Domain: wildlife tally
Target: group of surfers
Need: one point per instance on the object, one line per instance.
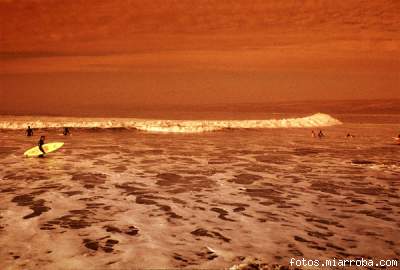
(321, 135)
(66, 132)
(29, 133)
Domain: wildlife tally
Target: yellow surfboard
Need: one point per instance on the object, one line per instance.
(48, 147)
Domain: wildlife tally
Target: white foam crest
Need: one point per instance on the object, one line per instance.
(173, 126)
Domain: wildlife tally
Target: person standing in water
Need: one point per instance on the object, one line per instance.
(313, 134)
(66, 131)
(320, 134)
(40, 144)
(29, 131)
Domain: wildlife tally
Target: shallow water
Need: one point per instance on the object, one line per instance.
(125, 198)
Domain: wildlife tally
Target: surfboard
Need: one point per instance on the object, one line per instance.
(48, 148)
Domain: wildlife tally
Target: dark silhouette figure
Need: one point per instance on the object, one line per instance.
(66, 131)
(29, 131)
(313, 134)
(349, 135)
(320, 134)
(40, 144)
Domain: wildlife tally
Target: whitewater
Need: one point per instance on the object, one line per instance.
(143, 194)
(175, 126)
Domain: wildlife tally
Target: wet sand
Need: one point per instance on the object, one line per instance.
(126, 199)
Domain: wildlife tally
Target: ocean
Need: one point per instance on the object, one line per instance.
(210, 194)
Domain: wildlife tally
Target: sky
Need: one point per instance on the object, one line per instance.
(81, 53)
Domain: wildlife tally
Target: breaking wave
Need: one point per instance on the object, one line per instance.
(178, 126)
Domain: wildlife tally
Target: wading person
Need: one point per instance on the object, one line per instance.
(66, 131)
(29, 131)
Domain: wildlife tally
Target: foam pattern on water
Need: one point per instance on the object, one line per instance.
(134, 200)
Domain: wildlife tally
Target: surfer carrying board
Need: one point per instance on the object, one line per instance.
(40, 144)
(43, 148)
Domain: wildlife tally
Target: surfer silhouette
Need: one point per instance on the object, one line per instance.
(29, 131)
(66, 131)
(40, 144)
(313, 134)
(320, 134)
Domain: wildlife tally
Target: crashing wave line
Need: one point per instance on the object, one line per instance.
(182, 126)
